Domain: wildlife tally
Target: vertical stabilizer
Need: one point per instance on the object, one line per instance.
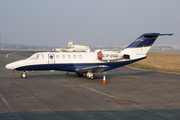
(142, 44)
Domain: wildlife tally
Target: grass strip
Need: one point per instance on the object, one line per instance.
(137, 65)
(151, 68)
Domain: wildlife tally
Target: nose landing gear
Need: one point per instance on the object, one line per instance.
(24, 74)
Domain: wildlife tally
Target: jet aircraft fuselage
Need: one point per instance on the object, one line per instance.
(86, 62)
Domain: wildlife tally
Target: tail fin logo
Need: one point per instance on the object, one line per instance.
(141, 39)
(142, 42)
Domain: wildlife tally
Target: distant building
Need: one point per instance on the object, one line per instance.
(74, 48)
(58, 49)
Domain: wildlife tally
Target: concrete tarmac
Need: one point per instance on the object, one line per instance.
(129, 94)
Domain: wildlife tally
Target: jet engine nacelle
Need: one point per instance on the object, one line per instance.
(108, 55)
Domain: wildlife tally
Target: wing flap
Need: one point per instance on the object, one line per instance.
(94, 69)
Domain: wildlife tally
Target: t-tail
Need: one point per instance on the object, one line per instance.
(141, 45)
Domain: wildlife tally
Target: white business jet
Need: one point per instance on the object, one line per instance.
(86, 62)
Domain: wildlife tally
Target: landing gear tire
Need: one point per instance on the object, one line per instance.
(23, 75)
(92, 77)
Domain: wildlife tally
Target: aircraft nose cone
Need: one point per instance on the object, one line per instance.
(9, 66)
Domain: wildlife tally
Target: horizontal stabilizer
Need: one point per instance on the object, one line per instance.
(165, 34)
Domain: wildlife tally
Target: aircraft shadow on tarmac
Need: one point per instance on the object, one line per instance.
(96, 115)
(97, 76)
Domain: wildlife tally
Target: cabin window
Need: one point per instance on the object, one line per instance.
(51, 56)
(57, 56)
(63, 56)
(69, 57)
(80, 56)
(74, 56)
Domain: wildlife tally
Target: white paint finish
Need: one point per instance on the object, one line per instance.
(136, 51)
(65, 58)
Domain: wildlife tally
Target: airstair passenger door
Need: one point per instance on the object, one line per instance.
(51, 61)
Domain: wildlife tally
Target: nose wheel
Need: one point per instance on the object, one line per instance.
(24, 75)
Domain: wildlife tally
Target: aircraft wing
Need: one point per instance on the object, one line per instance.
(94, 69)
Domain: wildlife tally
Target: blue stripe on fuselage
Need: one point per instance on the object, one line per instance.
(76, 66)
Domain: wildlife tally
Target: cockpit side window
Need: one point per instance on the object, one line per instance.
(33, 57)
(40, 56)
(37, 57)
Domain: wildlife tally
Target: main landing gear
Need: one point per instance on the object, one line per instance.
(24, 74)
(89, 75)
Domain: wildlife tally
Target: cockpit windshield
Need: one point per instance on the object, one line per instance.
(37, 56)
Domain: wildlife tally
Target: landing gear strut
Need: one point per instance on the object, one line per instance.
(24, 74)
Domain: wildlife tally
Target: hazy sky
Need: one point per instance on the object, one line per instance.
(87, 22)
